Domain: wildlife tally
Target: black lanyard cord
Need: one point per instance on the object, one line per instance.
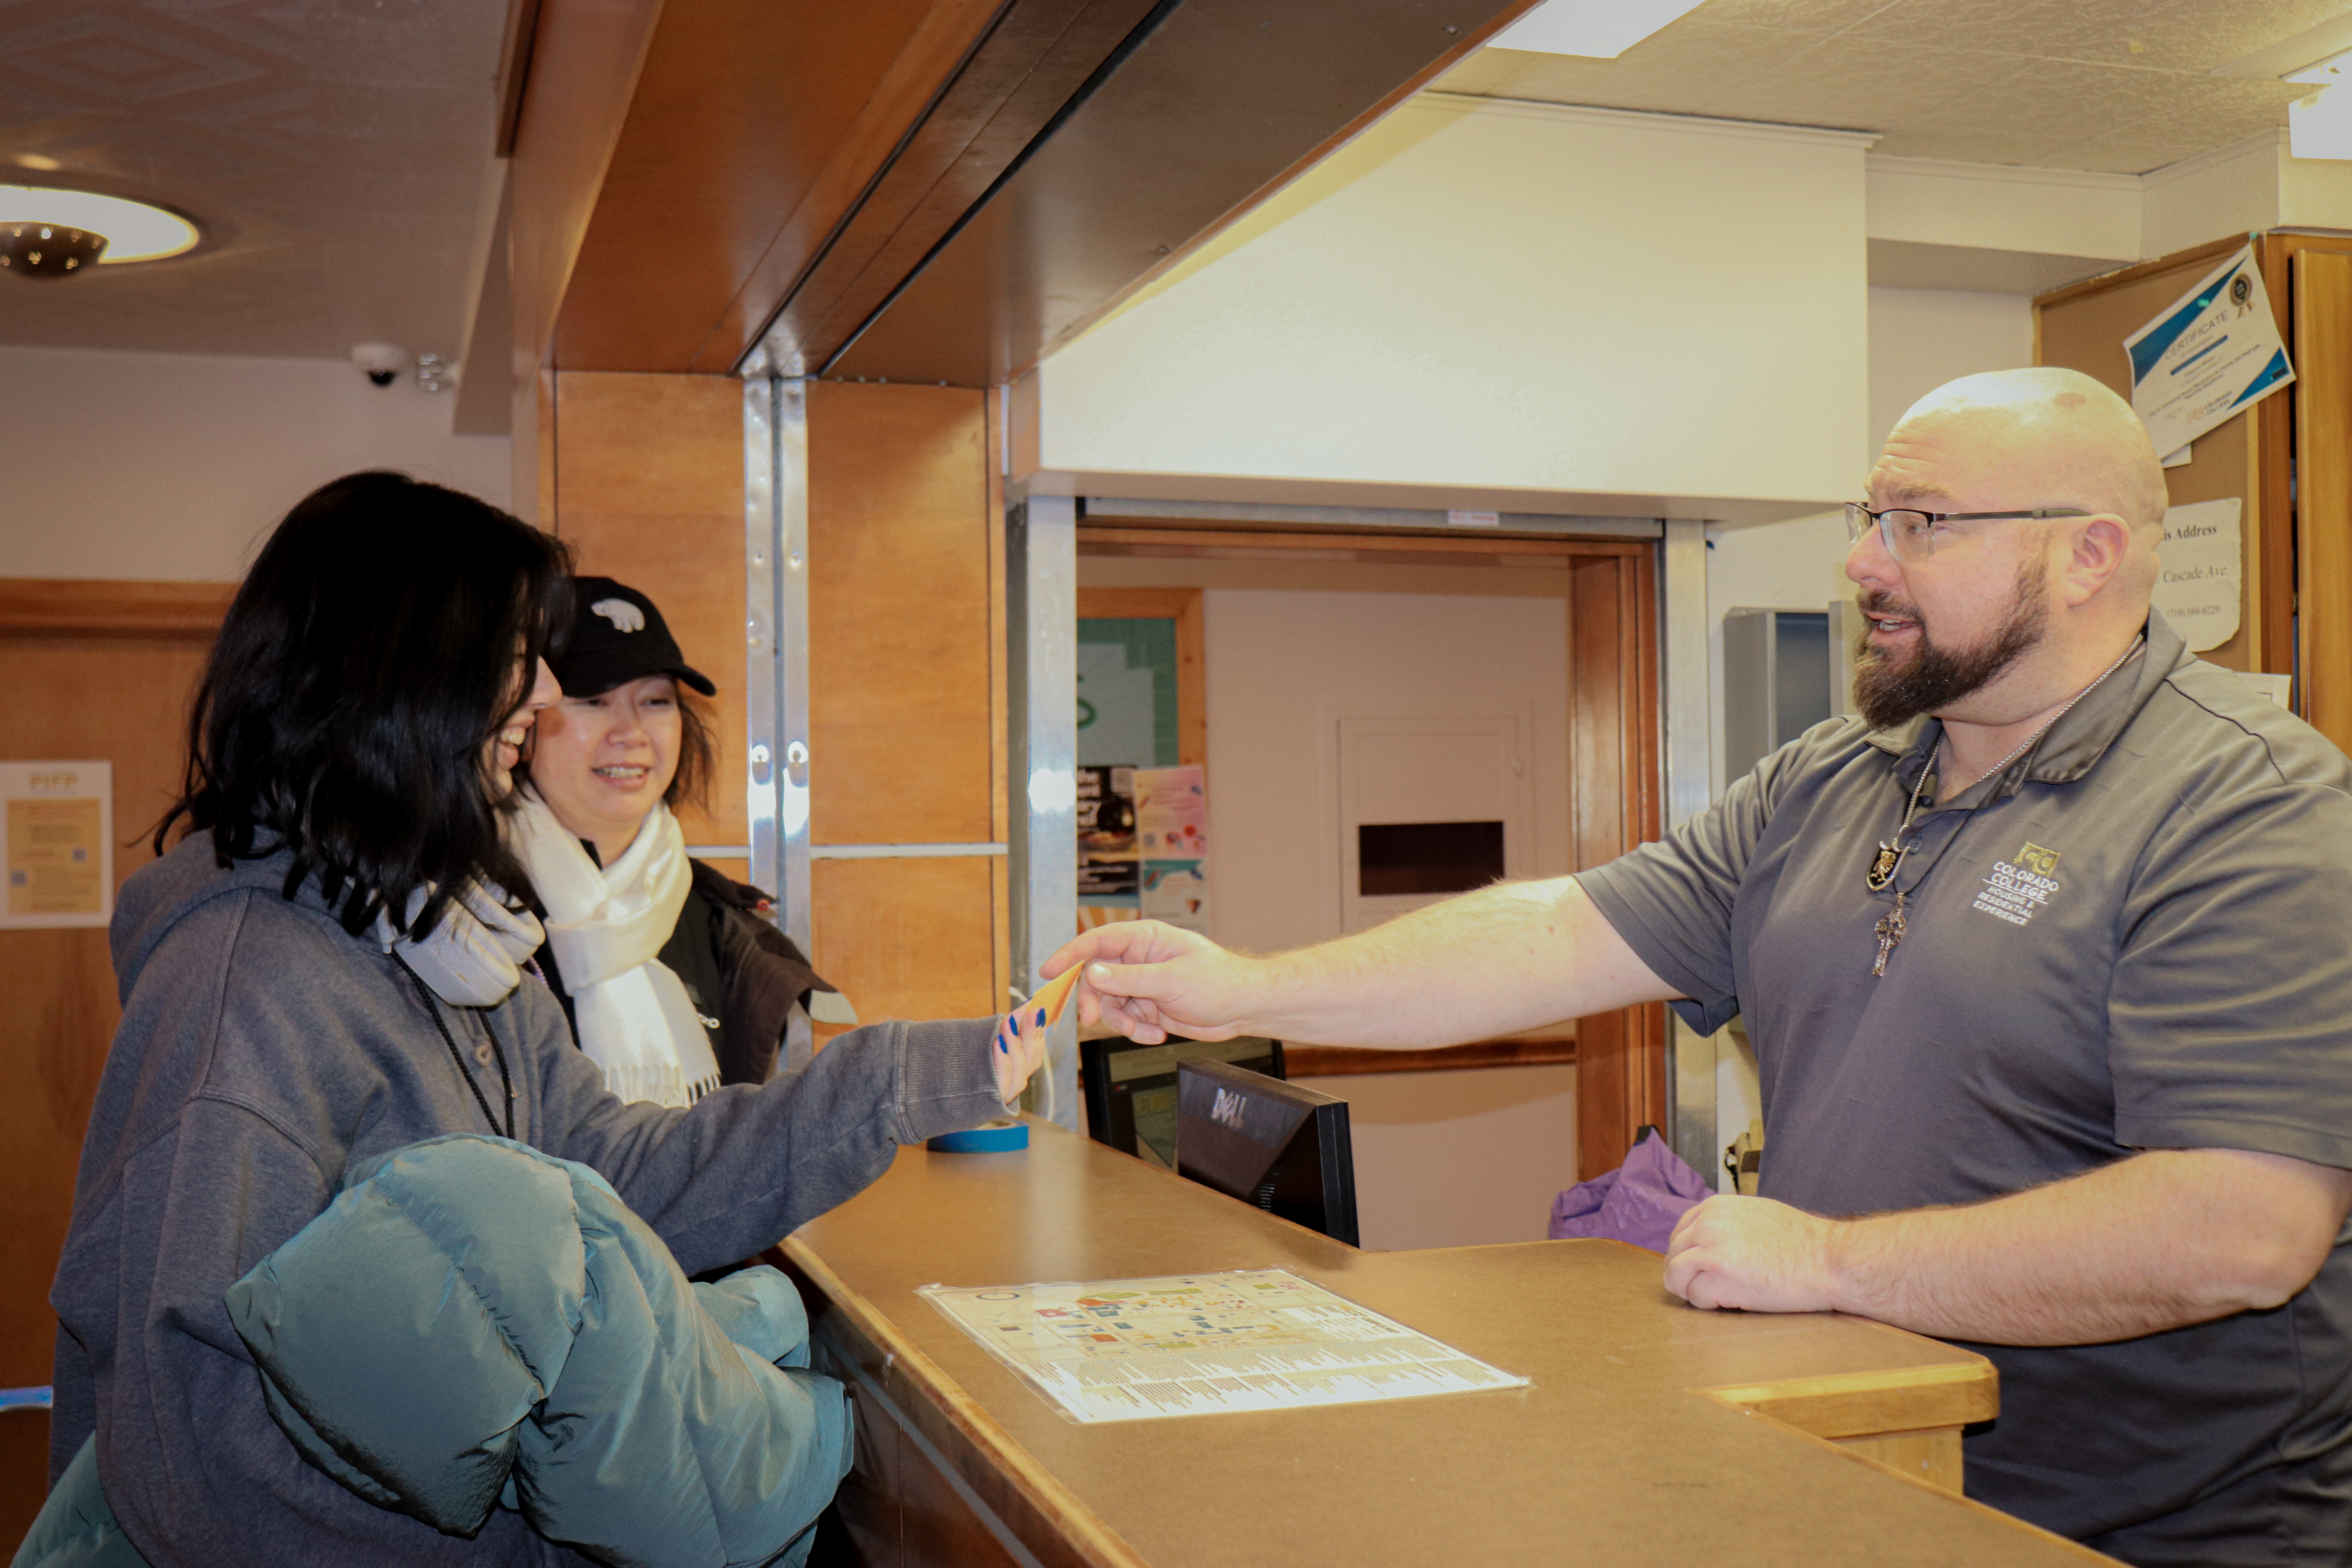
(433, 1010)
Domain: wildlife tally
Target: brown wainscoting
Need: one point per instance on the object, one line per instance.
(93, 669)
(1549, 1049)
(64, 606)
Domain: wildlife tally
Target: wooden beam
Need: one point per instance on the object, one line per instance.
(584, 59)
(106, 607)
(1221, 104)
(691, 177)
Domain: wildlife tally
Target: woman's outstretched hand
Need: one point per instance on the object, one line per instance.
(1148, 980)
(1018, 1049)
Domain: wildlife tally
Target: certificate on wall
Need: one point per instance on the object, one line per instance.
(2212, 353)
(61, 841)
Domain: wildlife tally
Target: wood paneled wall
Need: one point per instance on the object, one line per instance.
(907, 697)
(644, 480)
(93, 670)
(646, 484)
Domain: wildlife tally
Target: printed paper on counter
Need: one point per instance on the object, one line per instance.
(1200, 1344)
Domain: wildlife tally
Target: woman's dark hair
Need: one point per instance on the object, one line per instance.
(697, 754)
(367, 661)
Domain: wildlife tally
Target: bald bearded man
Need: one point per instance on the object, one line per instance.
(2045, 962)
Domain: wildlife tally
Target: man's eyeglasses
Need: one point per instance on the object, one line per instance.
(1910, 535)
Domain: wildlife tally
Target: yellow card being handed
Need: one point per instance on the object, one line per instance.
(1055, 994)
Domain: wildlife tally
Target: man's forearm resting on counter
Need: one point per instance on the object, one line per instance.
(2161, 1239)
(1506, 958)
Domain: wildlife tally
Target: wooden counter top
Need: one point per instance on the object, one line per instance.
(1618, 1452)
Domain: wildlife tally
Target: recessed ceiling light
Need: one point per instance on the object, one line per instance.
(49, 232)
(1602, 29)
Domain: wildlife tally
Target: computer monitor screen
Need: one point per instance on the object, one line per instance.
(1281, 1146)
(1130, 1090)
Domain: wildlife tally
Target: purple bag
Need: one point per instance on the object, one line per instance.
(1638, 1202)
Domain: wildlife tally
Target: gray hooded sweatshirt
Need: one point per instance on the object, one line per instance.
(262, 1052)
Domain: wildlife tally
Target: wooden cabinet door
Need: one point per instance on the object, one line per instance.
(2323, 425)
(92, 670)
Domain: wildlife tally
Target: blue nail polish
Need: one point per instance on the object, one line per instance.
(1002, 1047)
(1041, 1018)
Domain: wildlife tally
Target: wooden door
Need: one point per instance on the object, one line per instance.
(92, 670)
(2322, 421)
(1614, 800)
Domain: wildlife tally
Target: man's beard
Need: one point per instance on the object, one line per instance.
(1888, 693)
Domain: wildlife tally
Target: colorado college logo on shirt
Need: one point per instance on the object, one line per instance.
(2016, 889)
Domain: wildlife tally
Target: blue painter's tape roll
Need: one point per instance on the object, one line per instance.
(998, 1136)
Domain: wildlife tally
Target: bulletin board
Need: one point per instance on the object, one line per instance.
(2082, 328)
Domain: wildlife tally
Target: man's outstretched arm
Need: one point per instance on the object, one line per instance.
(2158, 1241)
(1506, 958)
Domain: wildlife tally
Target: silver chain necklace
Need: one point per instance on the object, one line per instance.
(1889, 858)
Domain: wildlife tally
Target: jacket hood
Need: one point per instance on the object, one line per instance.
(164, 892)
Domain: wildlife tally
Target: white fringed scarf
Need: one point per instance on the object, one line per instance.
(607, 927)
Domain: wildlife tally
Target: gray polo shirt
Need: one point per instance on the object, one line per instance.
(2137, 936)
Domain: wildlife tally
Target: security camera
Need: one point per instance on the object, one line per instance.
(380, 363)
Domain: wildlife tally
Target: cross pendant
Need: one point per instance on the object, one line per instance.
(1890, 931)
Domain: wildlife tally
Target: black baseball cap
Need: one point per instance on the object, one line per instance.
(617, 636)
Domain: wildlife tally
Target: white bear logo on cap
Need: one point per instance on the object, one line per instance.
(624, 616)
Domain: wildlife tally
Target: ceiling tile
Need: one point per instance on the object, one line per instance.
(333, 151)
(2046, 82)
(2197, 34)
(1790, 16)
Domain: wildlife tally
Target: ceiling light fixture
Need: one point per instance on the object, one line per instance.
(47, 232)
(1602, 29)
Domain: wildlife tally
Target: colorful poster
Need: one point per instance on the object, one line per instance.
(60, 844)
(1171, 811)
(2214, 353)
(1176, 891)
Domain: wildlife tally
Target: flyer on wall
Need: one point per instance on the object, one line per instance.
(2212, 353)
(60, 844)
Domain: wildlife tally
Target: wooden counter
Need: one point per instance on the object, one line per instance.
(1652, 1433)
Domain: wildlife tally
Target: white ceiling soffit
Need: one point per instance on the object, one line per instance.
(332, 150)
(1910, 264)
(2115, 86)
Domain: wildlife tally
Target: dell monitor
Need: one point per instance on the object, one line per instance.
(1130, 1090)
(1281, 1146)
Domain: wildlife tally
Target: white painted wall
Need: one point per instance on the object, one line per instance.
(172, 467)
(1485, 298)
(2230, 190)
(1458, 1159)
(2060, 212)
(1285, 667)
(1448, 1159)
(1922, 338)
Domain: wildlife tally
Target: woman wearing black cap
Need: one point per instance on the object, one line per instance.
(672, 982)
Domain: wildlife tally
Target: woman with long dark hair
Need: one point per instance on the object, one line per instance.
(330, 968)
